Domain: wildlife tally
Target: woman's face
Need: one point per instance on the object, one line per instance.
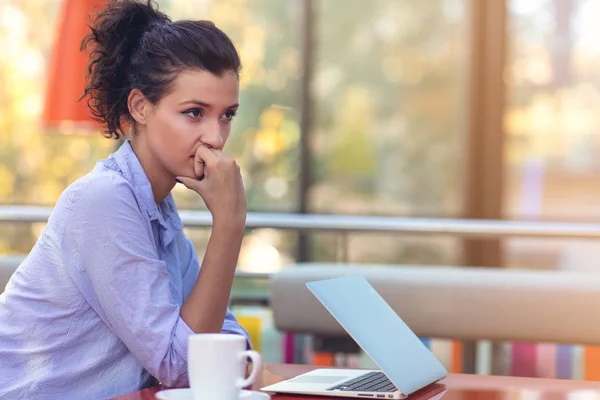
(196, 112)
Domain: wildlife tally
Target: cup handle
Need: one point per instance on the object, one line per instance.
(256, 367)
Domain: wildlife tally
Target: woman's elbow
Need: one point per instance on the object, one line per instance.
(172, 373)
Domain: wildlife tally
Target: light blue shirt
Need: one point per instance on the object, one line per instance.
(93, 311)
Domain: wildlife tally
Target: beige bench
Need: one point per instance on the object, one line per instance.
(468, 304)
(453, 302)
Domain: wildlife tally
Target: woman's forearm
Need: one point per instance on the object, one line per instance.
(205, 308)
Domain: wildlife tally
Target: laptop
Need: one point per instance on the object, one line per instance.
(406, 364)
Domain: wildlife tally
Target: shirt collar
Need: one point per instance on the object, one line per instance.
(165, 213)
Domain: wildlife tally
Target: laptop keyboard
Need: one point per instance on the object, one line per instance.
(370, 382)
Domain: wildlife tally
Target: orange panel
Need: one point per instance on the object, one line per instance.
(323, 359)
(68, 66)
(591, 363)
(457, 356)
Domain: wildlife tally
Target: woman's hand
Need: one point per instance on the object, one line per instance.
(220, 186)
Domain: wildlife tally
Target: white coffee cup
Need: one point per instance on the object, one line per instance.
(217, 365)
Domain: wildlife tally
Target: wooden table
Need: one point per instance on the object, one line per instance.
(459, 387)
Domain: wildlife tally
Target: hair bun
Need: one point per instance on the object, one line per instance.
(115, 34)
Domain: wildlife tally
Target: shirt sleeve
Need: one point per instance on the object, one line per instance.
(109, 247)
(230, 325)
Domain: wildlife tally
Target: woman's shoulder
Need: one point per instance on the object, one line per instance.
(100, 189)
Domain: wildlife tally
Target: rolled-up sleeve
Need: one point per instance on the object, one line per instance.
(113, 258)
(231, 325)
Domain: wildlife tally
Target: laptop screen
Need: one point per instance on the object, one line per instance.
(379, 331)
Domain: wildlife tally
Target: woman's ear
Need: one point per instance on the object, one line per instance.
(139, 106)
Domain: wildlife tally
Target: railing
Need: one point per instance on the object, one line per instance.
(349, 223)
(345, 224)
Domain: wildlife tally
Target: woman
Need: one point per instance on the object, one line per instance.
(104, 303)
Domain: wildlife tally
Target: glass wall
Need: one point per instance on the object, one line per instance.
(389, 97)
(391, 107)
(552, 127)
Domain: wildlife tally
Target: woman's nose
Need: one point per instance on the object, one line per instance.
(212, 137)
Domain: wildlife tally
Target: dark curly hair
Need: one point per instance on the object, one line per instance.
(134, 45)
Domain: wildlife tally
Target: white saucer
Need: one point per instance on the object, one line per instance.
(186, 394)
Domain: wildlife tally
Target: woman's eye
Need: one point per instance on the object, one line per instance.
(229, 115)
(194, 112)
